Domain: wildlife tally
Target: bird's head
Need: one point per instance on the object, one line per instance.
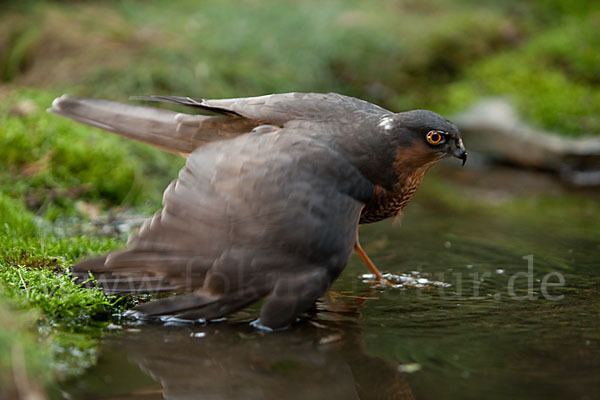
(423, 137)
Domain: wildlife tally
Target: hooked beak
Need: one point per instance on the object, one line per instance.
(461, 153)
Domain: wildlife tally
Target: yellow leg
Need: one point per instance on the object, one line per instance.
(366, 259)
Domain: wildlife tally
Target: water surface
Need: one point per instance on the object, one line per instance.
(521, 319)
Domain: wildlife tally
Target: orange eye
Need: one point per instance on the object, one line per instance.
(434, 137)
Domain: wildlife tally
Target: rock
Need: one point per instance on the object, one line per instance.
(493, 128)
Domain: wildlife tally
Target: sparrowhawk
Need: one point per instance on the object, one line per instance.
(269, 201)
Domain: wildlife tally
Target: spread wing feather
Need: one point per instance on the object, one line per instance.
(244, 220)
(277, 109)
(168, 130)
(182, 133)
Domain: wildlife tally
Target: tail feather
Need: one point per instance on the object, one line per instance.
(168, 130)
(175, 304)
(221, 307)
(119, 273)
(202, 305)
(118, 279)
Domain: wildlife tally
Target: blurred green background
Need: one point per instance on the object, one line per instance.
(442, 54)
(445, 55)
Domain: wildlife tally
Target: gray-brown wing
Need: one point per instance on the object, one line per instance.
(175, 132)
(182, 133)
(270, 215)
(277, 109)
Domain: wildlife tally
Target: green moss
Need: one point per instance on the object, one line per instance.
(50, 161)
(33, 262)
(552, 79)
(48, 322)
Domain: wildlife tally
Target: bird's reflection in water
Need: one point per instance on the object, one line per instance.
(322, 357)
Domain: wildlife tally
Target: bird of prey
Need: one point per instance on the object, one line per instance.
(269, 201)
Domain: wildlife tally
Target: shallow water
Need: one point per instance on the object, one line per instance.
(518, 317)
